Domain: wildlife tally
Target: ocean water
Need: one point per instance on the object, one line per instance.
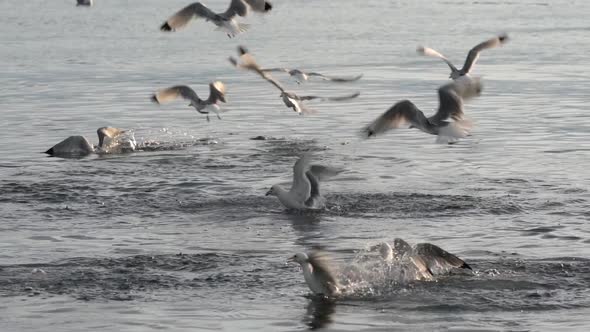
(181, 237)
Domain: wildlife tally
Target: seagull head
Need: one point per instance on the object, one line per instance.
(272, 191)
(300, 258)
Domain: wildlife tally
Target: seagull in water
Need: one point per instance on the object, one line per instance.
(290, 99)
(84, 3)
(301, 76)
(405, 114)
(425, 257)
(216, 94)
(305, 190)
(110, 140)
(224, 21)
(318, 273)
(471, 57)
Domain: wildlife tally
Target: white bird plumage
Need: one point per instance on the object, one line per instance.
(319, 273)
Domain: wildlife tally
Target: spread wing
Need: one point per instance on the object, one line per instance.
(403, 114)
(436, 256)
(323, 270)
(301, 187)
(339, 98)
(401, 247)
(107, 132)
(181, 18)
(314, 194)
(259, 5)
(247, 62)
(236, 7)
(335, 79)
(172, 93)
(451, 96)
(283, 70)
(216, 92)
(322, 173)
(473, 54)
(431, 52)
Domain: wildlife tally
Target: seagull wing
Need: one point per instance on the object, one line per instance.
(301, 187)
(324, 271)
(236, 7)
(172, 93)
(431, 52)
(314, 194)
(335, 79)
(451, 96)
(185, 15)
(322, 173)
(403, 114)
(284, 70)
(259, 5)
(216, 92)
(473, 54)
(339, 98)
(436, 256)
(107, 132)
(401, 247)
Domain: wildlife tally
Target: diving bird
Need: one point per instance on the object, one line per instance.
(84, 3)
(405, 114)
(247, 62)
(224, 21)
(110, 140)
(425, 257)
(211, 104)
(472, 56)
(301, 76)
(305, 189)
(318, 273)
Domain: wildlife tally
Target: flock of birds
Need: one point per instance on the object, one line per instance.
(449, 124)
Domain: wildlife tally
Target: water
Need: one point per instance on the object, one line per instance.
(182, 237)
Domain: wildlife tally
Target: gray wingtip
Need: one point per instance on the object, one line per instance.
(50, 152)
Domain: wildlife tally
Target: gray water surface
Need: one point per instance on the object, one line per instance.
(180, 236)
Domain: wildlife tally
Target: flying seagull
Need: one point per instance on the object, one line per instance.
(318, 273)
(425, 257)
(305, 189)
(109, 140)
(405, 114)
(471, 57)
(290, 99)
(216, 94)
(224, 21)
(302, 76)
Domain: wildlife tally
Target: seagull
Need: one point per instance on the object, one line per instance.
(318, 273)
(425, 257)
(83, 3)
(109, 140)
(305, 190)
(224, 21)
(405, 114)
(290, 99)
(216, 94)
(471, 57)
(302, 76)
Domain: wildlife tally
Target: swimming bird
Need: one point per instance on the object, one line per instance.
(318, 273)
(110, 140)
(224, 21)
(216, 94)
(405, 114)
(301, 76)
(290, 99)
(425, 257)
(84, 3)
(305, 190)
(472, 56)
